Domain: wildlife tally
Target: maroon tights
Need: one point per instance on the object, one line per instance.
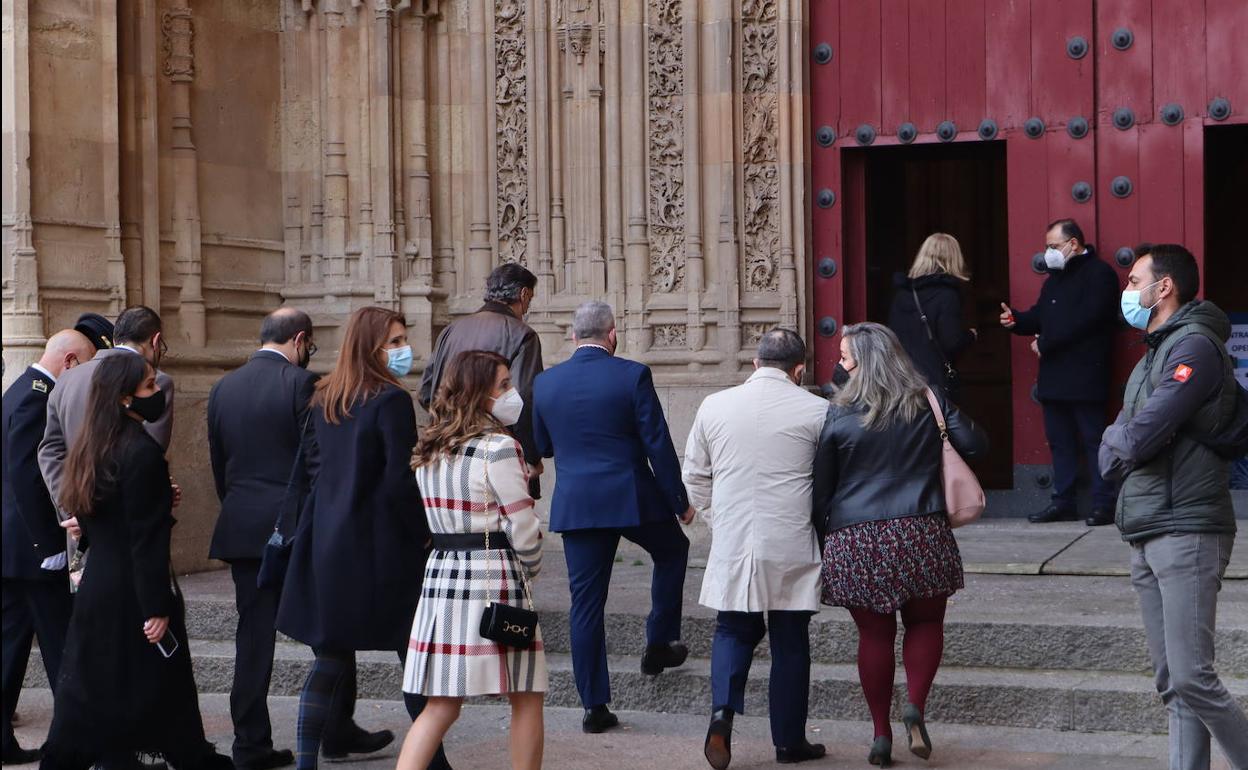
(920, 652)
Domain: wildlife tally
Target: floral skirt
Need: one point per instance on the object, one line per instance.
(881, 565)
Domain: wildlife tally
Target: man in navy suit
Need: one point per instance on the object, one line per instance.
(256, 424)
(616, 475)
(36, 599)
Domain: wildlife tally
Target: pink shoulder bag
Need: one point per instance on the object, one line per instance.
(964, 497)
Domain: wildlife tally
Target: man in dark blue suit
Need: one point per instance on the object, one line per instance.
(256, 419)
(36, 599)
(616, 475)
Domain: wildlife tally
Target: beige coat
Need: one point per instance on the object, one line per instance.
(748, 465)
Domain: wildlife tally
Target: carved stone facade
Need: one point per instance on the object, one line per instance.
(218, 159)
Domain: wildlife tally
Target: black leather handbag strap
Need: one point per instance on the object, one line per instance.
(290, 481)
(949, 370)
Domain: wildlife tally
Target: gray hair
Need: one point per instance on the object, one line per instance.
(884, 382)
(781, 349)
(593, 320)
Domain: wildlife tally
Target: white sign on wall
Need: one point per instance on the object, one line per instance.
(1238, 346)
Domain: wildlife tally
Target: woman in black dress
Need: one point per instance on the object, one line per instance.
(125, 684)
(926, 313)
(362, 539)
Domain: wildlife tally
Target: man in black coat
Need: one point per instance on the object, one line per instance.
(1075, 320)
(256, 420)
(36, 598)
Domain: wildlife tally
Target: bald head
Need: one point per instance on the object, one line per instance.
(65, 350)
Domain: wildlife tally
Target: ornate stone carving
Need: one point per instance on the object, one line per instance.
(752, 333)
(666, 128)
(511, 116)
(577, 39)
(760, 150)
(670, 336)
(178, 41)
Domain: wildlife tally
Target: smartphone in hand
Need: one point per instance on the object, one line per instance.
(168, 644)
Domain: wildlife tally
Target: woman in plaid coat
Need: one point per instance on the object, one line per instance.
(473, 479)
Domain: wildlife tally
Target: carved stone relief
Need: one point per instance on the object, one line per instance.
(760, 151)
(666, 128)
(670, 336)
(752, 333)
(178, 41)
(511, 116)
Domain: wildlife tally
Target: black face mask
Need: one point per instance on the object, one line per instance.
(150, 408)
(840, 375)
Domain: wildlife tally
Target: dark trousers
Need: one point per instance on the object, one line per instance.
(590, 554)
(1071, 426)
(732, 652)
(254, 643)
(31, 609)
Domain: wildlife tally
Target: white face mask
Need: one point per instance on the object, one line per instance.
(1054, 259)
(507, 407)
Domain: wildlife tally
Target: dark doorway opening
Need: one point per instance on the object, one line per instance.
(908, 193)
(1226, 194)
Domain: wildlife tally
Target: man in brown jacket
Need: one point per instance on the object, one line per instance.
(498, 327)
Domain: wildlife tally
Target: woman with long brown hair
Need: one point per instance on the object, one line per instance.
(125, 684)
(360, 543)
(486, 544)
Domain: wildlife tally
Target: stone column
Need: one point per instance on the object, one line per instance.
(336, 182)
(178, 30)
(633, 149)
(480, 250)
(110, 139)
(381, 95)
(23, 321)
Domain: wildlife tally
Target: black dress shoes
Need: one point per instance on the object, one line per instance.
(1051, 514)
(599, 719)
(660, 656)
(272, 759)
(718, 746)
(791, 755)
(16, 755)
(1099, 518)
(360, 742)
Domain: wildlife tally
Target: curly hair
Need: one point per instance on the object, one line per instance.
(461, 408)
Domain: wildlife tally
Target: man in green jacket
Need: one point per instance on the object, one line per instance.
(1174, 507)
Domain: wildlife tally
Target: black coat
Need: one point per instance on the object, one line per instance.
(871, 475)
(358, 558)
(116, 691)
(941, 297)
(31, 533)
(1076, 317)
(255, 414)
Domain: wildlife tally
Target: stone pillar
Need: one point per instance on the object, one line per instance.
(23, 321)
(177, 28)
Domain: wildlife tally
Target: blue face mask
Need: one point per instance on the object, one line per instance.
(399, 360)
(1135, 313)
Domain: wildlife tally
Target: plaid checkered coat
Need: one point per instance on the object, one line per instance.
(481, 482)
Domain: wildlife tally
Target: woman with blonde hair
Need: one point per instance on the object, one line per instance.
(486, 544)
(361, 540)
(926, 312)
(879, 507)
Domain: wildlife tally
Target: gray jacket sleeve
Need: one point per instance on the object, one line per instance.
(1191, 375)
(162, 429)
(526, 364)
(52, 450)
(433, 372)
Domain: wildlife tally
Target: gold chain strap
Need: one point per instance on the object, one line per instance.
(524, 579)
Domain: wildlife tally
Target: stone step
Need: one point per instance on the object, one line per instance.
(1056, 700)
(1055, 645)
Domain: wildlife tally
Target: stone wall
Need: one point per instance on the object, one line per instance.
(218, 159)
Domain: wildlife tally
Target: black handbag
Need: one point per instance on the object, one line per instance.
(276, 555)
(506, 624)
(951, 374)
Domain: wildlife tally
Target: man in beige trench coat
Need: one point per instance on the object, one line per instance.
(748, 466)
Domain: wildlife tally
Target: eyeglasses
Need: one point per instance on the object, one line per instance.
(161, 349)
(312, 348)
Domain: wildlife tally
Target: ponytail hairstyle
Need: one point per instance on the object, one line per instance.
(91, 467)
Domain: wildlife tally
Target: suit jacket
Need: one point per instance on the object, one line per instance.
(358, 558)
(748, 465)
(600, 418)
(494, 328)
(255, 417)
(30, 531)
(67, 407)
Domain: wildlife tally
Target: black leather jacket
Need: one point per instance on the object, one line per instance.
(870, 475)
